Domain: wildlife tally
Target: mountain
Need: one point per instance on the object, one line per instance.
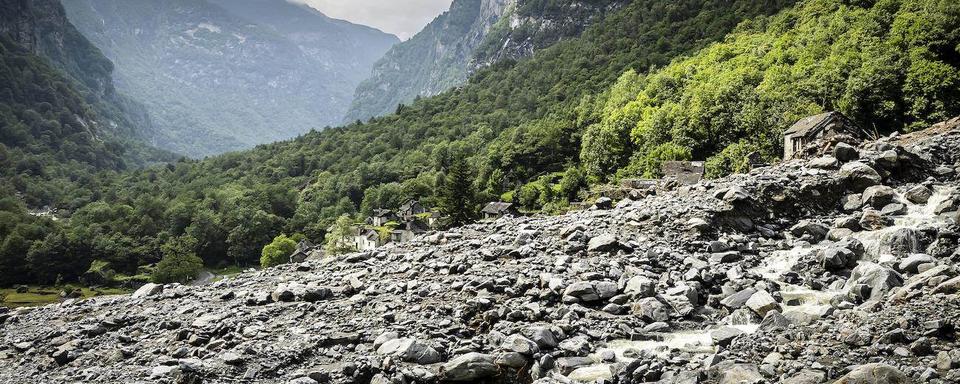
(218, 76)
(471, 35)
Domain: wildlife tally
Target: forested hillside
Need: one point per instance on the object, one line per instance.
(63, 130)
(655, 80)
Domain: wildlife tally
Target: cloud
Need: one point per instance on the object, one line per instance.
(403, 18)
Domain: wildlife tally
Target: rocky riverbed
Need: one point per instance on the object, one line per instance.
(840, 268)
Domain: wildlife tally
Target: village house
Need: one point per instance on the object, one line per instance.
(410, 209)
(381, 217)
(686, 172)
(498, 209)
(367, 239)
(407, 231)
(816, 128)
(305, 250)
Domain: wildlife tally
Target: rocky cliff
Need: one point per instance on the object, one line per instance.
(840, 268)
(221, 76)
(471, 35)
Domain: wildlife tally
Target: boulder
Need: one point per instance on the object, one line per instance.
(919, 194)
(469, 367)
(815, 231)
(912, 262)
(878, 196)
(877, 373)
(740, 373)
(878, 280)
(603, 243)
(543, 336)
(872, 220)
(738, 299)
(845, 152)
(147, 290)
(409, 350)
(651, 309)
(581, 290)
(521, 345)
(835, 258)
(762, 302)
(723, 336)
(859, 176)
(641, 286)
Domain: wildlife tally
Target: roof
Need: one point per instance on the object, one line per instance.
(408, 205)
(815, 123)
(497, 207)
(383, 213)
(369, 234)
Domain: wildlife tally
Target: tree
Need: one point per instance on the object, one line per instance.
(457, 195)
(179, 264)
(277, 252)
(338, 238)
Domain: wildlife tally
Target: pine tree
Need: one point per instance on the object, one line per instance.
(457, 195)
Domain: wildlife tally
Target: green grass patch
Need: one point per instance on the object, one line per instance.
(49, 295)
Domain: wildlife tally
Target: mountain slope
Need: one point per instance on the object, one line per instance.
(215, 81)
(473, 34)
(231, 205)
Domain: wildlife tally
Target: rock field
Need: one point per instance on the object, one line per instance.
(837, 269)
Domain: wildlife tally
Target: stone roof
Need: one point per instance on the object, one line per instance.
(813, 124)
(497, 207)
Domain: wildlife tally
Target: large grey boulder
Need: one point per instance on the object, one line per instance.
(603, 243)
(918, 194)
(859, 175)
(469, 367)
(651, 309)
(641, 286)
(878, 196)
(147, 290)
(845, 152)
(877, 279)
(762, 302)
(877, 373)
(409, 350)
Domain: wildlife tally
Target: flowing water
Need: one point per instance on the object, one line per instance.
(797, 300)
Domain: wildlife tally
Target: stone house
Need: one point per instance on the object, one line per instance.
(686, 172)
(498, 209)
(410, 209)
(367, 239)
(815, 128)
(381, 217)
(407, 231)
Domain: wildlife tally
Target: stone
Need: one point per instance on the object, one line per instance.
(835, 258)
(641, 286)
(918, 194)
(845, 152)
(815, 231)
(582, 290)
(604, 203)
(859, 176)
(872, 220)
(651, 309)
(878, 280)
(147, 290)
(878, 196)
(542, 336)
(409, 350)
(762, 302)
(521, 345)
(512, 359)
(806, 376)
(738, 299)
(603, 243)
(912, 262)
(825, 162)
(877, 373)
(723, 336)
(739, 374)
(469, 367)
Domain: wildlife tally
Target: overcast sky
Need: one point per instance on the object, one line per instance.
(403, 18)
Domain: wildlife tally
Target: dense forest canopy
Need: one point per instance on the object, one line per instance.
(656, 80)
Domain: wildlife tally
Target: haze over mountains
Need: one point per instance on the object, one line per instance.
(217, 76)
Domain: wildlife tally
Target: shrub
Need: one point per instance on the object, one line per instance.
(277, 252)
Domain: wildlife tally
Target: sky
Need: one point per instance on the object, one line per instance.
(403, 18)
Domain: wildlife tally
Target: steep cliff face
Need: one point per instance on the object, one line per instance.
(471, 35)
(218, 76)
(534, 24)
(432, 61)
